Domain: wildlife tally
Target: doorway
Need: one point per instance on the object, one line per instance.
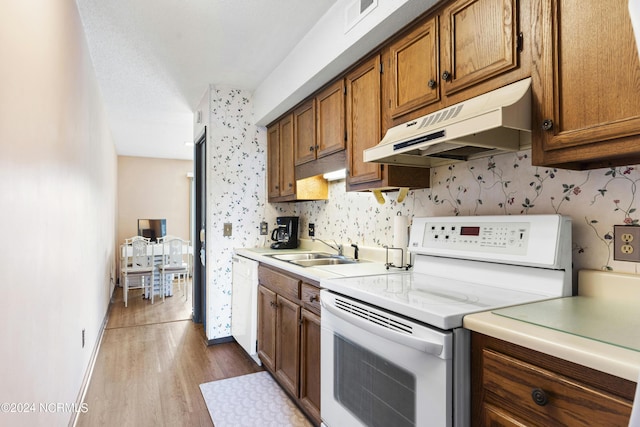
(199, 229)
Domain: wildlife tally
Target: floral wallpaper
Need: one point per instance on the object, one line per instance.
(236, 194)
(508, 184)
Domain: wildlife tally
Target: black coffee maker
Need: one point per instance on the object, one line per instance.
(285, 235)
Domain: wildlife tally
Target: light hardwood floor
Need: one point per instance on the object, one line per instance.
(150, 365)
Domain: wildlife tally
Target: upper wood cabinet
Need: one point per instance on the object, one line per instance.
(280, 153)
(479, 40)
(463, 49)
(586, 85)
(363, 120)
(364, 131)
(330, 123)
(304, 118)
(319, 124)
(414, 69)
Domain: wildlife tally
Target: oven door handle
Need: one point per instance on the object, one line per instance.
(420, 344)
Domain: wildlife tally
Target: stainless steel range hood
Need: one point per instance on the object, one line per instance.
(493, 123)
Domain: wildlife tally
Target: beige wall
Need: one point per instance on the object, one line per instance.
(153, 188)
(57, 217)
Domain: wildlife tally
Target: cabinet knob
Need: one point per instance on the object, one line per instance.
(539, 396)
(432, 83)
(311, 148)
(290, 185)
(446, 76)
(547, 124)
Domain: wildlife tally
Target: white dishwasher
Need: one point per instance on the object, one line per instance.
(244, 305)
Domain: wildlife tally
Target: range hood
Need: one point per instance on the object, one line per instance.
(494, 123)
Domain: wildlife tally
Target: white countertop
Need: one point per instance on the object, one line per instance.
(317, 273)
(602, 286)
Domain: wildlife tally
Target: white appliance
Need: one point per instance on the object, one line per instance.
(244, 305)
(393, 348)
(493, 123)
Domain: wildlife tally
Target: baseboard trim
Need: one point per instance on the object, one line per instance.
(220, 340)
(92, 363)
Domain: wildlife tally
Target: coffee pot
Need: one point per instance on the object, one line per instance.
(285, 235)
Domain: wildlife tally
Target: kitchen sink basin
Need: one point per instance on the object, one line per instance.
(334, 260)
(302, 256)
(314, 259)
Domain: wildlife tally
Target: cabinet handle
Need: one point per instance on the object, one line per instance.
(539, 396)
(311, 148)
(273, 304)
(547, 124)
(432, 83)
(313, 298)
(446, 76)
(290, 185)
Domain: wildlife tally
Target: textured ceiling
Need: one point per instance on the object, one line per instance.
(155, 58)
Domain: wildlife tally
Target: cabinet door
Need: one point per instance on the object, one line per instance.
(273, 160)
(363, 120)
(413, 69)
(587, 84)
(305, 132)
(330, 119)
(287, 174)
(267, 327)
(310, 364)
(479, 41)
(288, 344)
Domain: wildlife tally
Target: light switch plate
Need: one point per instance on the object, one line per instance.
(226, 232)
(626, 243)
(264, 228)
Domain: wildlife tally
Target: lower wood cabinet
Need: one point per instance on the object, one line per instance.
(515, 386)
(289, 336)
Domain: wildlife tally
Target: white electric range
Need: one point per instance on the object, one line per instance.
(392, 346)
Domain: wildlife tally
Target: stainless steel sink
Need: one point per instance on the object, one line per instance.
(302, 256)
(323, 261)
(314, 259)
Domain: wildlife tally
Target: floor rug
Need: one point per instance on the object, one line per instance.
(251, 400)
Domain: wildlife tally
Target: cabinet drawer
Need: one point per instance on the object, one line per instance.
(310, 296)
(279, 283)
(515, 385)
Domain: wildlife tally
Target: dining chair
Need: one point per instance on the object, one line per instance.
(140, 266)
(173, 264)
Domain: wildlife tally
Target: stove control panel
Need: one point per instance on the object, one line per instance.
(493, 237)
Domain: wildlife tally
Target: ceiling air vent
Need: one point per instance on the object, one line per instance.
(356, 11)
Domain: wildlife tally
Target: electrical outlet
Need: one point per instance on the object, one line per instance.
(227, 230)
(626, 241)
(264, 228)
(312, 229)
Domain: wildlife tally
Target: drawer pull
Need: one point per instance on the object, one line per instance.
(539, 396)
(313, 298)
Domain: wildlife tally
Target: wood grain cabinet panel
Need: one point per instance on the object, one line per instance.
(288, 344)
(273, 160)
(363, 120)
(310, 363)
(330, 119)
(586, 82)
(414, 68)
(479, 41)
(305, 132)
(287, 175)
(267, 327)
(289, 336)
(515, 386)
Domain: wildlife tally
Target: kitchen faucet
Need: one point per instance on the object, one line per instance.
(338, 247)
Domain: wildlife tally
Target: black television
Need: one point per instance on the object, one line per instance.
(152, 228)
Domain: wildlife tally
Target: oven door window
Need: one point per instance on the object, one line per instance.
(375, 390)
